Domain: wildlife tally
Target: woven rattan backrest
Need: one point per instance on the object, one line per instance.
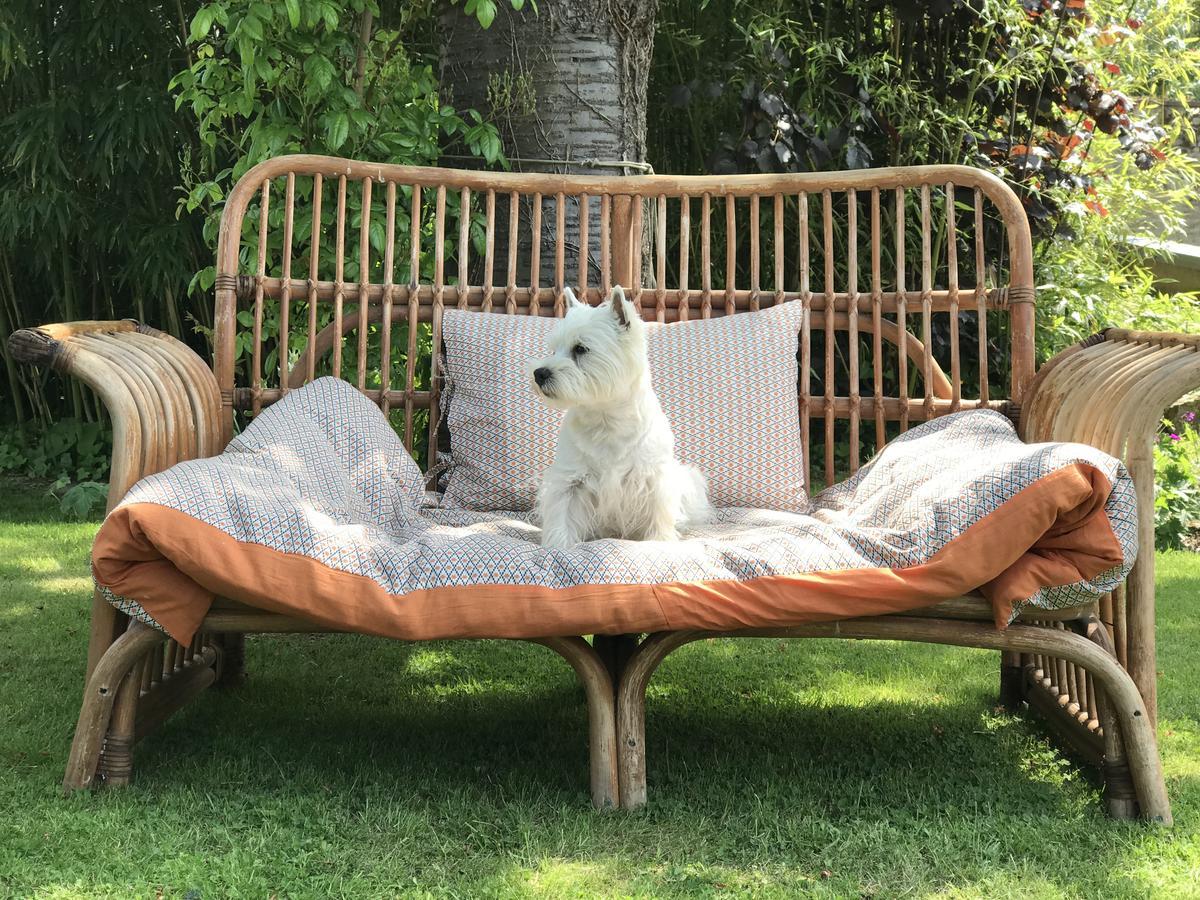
(918, 280)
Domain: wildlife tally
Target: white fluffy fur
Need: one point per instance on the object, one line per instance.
(614, 472)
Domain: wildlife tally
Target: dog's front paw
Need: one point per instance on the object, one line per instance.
(663, 534)
(558, 540)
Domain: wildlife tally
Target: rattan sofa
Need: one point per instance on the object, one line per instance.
(893, 337)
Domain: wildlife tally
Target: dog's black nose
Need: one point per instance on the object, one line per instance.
(541, 376)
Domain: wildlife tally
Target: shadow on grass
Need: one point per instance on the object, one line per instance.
(753, 787)
(511, 713)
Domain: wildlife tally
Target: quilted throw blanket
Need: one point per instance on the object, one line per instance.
(316, 510)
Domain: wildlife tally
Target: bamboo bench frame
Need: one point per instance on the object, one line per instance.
(1089, 670)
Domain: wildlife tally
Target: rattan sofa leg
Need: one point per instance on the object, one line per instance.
(1012, 681)
(233, 659)
(1128, 711)
(115, 766)
(1120, 795)
(631, 711)
(110, 675)
(598, 686)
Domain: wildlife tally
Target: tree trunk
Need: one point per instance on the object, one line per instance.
(566, 86)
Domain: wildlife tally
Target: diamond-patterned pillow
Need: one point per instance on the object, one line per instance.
(727, 386)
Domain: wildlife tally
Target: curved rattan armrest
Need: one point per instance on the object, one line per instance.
(1112, 390)
(163, 400)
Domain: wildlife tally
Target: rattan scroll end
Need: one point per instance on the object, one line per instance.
(34, 347)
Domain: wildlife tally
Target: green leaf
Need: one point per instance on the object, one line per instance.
(201, 23)
(293, 12)
(337, 130)
(485, 12)
(329, 13)
(252, 26)
(79, 501)
(320, 70)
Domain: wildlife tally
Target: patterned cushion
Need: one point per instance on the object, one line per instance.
(364, 471)
(289, 522)
(727, 385)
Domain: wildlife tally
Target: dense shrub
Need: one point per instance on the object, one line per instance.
(1177, 494)
(1066, 100)
(123, 124)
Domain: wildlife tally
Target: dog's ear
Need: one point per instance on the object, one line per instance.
(572, 300)
(622, 308)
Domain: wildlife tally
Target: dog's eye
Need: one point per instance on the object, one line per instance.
(578, 350)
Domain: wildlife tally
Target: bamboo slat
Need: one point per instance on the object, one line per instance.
(683, 297)
(901, 308)
(952, 291)
(926, 297)
(560, 242)
(414, 306)
(660, 257)
(705, 257)
(464, 247)
(876, 317)
(754, 253)
(489, 258)
(339, 277)
(634, 251)
(535, 255)
(889, 300)
(389, 279)
(439, 287)
(852, 322)
(730, 254)
(510, 280)
(256, 337)
(585, 213)
(805, 341)
(981, 299)
(285, 297)
(314, 270)
(830, 333)
(364, 278)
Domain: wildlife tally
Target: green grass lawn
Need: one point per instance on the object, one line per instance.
(354, 767)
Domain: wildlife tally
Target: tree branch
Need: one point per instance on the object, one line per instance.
(365, 23)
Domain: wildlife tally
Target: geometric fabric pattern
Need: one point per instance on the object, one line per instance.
(321, 475)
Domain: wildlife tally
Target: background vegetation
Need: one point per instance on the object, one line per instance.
(1085, 108)
(124, 125)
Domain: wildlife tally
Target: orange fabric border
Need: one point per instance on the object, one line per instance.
(1053, 532)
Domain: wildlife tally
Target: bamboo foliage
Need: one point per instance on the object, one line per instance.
(114, 182)
(88, 151)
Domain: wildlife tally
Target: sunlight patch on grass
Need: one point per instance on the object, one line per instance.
(67, 584)
(428, 661)
(854, 691)
(36, 565)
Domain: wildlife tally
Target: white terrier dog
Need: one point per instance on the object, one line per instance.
(614, 472)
